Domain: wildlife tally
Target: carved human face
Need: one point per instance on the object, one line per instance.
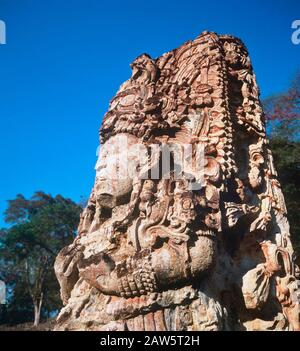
(114, 177)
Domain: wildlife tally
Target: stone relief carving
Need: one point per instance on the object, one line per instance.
(192, 248)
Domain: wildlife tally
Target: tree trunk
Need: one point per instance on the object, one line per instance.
(37, 310)
(35, 289)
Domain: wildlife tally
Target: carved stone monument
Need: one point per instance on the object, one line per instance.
(195, 236)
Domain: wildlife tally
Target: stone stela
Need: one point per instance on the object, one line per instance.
(154, 253)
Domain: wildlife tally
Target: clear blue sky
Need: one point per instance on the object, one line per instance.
(64, 60)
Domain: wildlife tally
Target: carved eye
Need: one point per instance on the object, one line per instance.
(128, 100)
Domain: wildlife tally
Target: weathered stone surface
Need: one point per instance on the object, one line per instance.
(192, 248)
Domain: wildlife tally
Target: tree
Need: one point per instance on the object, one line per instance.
(41, 226)
(282, 112)
(283, 121)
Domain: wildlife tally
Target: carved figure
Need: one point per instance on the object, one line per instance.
(202, 244)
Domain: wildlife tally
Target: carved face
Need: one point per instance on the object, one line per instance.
(114, 168)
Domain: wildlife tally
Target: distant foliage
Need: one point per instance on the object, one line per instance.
(40, 227)
(282, 112)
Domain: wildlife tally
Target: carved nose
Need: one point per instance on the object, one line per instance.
(107, 200)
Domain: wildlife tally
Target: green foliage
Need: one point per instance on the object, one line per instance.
(20, 308)
(41, 226)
